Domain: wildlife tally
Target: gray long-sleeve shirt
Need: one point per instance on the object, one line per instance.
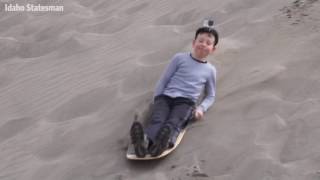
(186, 77)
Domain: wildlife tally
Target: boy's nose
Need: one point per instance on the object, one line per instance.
(202, 44)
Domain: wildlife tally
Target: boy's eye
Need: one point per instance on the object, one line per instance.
(209, 43)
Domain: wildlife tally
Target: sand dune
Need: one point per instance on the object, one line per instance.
(72, 81)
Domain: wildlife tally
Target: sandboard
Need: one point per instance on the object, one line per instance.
(132, 156)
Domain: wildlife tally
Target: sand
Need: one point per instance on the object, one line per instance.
(72, 81)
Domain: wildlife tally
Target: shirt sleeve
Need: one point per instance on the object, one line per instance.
(210, 91)
(166, 76)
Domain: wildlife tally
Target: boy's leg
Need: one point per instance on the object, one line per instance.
(160, 113)
(181, 111)
(180, 114)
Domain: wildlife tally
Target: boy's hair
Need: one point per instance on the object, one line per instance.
(208, 30)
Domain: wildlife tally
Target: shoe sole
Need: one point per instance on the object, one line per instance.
(161, 142)
(137, 139)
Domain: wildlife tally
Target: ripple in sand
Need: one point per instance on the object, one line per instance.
(7, 23)
(5, 77)
(179, 17)
(287, 89)
(271, 133)
(136, 8)
(302, 142)
(161, 57)
(253, 168)
(14, 127)
(105, 6)
(111, 25)
(64, 46)
(83, 104)
(45, 171)
(9, 47)
(71, 46)
(140, 81)
(150, 38)
(54, 144)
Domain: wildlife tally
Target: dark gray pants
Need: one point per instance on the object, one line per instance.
(174, 112)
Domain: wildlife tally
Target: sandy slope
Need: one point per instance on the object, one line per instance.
(71, 82)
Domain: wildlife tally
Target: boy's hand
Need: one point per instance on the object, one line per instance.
(198, 114)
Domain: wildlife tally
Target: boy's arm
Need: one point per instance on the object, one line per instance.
(166, 76)
(210, 93)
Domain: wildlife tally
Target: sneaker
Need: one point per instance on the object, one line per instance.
(161, 142)
(138, 139)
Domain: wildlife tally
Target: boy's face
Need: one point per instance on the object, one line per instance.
(203, 45)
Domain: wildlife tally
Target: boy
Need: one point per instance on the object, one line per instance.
(176, 95)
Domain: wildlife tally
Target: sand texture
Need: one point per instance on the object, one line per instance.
(72, 81)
